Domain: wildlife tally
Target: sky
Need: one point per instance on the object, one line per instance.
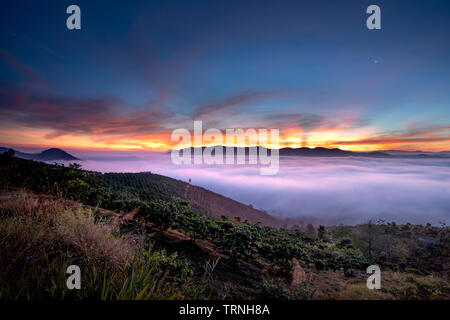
(137, 70)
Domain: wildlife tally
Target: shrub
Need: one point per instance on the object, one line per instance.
(162, 214)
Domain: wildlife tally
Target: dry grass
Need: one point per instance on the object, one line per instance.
(359, 291)
(394, 285)
(34, 226)
(41, 236)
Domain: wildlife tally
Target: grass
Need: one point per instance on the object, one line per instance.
(395, 286)
(41, 236)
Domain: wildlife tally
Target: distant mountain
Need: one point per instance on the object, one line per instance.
(315, 152)
(336, 152)
(46, 155)
(285, 151)
(54, 154)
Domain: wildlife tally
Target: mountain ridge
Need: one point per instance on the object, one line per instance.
(333, 152)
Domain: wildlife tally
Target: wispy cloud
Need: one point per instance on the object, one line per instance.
(110, 121)
(68, 115)
(20, 67)
(228, 102)
(415, 134)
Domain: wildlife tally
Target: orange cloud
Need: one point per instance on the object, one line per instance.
(28, 118)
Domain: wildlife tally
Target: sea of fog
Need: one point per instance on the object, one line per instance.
(319, 190)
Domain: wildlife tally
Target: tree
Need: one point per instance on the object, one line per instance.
(10, 153)
(321, 234)
(370, 237)
(367, 236)
(310, 230)
(197, 227)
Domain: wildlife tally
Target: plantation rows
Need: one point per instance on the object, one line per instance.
(250, 241)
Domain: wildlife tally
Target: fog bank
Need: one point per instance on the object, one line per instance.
(320, 190)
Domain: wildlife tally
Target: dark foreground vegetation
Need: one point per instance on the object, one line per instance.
(137, 237)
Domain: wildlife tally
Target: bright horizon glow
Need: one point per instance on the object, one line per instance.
(86, 143)
(314, 71)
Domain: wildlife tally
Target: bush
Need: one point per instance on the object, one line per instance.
(162, 214)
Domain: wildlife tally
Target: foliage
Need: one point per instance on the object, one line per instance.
(161, 214)
(39, 238)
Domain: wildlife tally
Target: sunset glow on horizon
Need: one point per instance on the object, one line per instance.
(161, 142)
(341, 87)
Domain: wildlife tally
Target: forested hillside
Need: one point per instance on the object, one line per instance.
(124, 191)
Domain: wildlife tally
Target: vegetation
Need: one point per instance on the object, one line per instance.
(135, 238)
(418, 249)
(40, 237)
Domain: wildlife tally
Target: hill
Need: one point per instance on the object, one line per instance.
(54, 154)
(147, 186)
(318, 152)
(51, 154)
(315, 152)
(125, 191)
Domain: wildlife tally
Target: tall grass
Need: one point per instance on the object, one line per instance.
(40, 237)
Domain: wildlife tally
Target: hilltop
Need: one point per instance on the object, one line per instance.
(51, 154)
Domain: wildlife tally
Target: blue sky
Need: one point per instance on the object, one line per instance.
(231, 63)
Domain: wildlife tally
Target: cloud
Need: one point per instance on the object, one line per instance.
(306, 121)
(111, 121)
(98, 117)
(20, 68)
(310, 121)
(318, 190)
(33, 43)
(228, 102)
(415, 134)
